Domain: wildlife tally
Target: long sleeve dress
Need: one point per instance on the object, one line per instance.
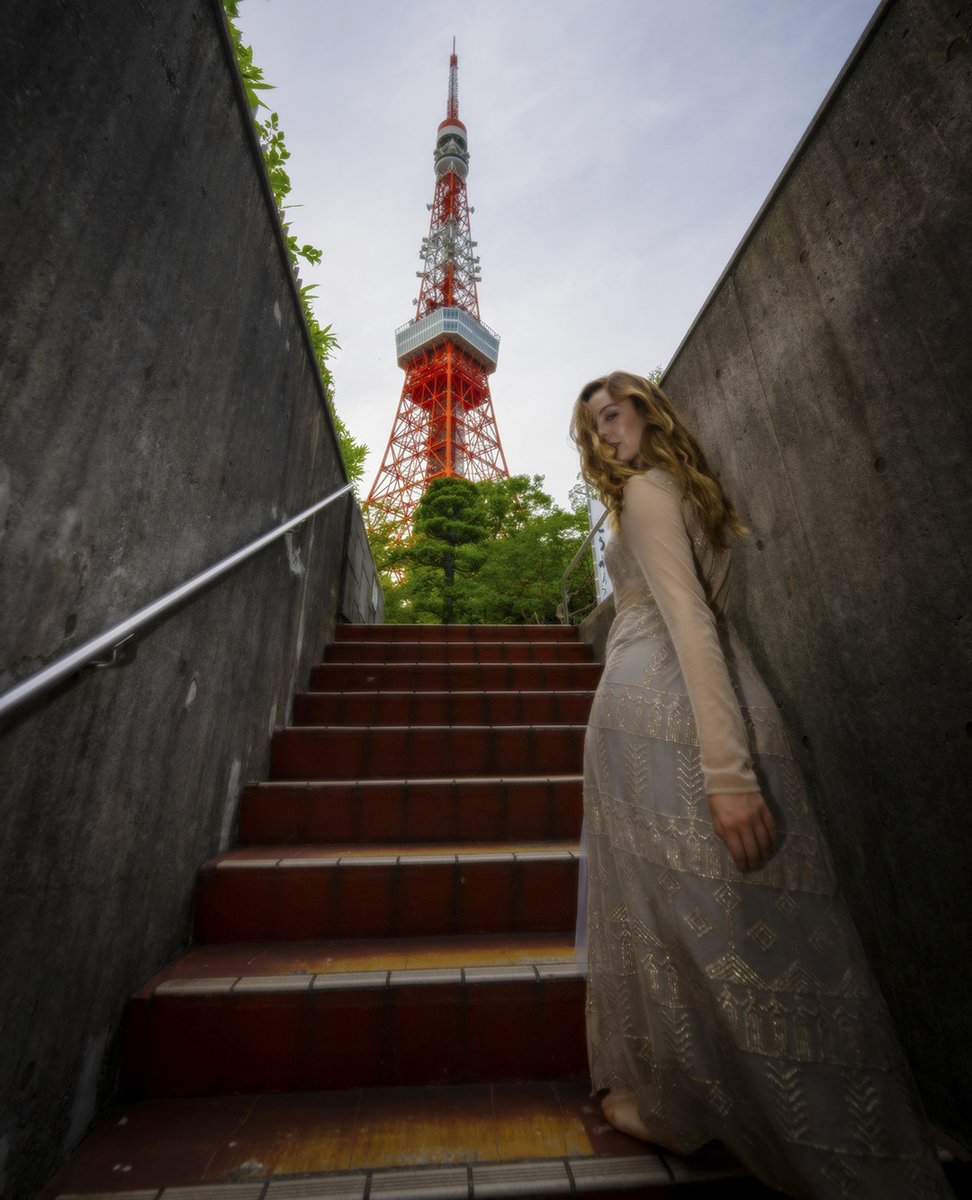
(736, 1006)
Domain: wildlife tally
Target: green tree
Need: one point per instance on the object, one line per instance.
(519, 578)
(390, 555)
(484, 553)
(449, 530)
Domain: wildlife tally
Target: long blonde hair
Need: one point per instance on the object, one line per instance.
(665, 442)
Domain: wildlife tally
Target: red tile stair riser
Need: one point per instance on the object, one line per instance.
(307, 903)
(310, 753)
(301, 1041)
(436, 677)
(183, 1050)
(424, 893)
(545, 895)
(266, 1042)
(505, 1031)
(427, 1042)
(403, 812)
(323, 1040)
(441, 708)
(362, 899)
(455, 633)
(458, 652)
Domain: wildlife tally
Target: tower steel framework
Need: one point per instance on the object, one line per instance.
(445, 425)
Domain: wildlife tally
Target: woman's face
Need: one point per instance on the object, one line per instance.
(618, 424)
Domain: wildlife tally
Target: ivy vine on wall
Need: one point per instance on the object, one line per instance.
(275, 156)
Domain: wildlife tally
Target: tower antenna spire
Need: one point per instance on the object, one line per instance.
(445, 424)
(452, 107)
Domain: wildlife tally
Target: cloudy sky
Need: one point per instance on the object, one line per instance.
(619, 151)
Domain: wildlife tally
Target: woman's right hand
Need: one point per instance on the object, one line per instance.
(743, 821)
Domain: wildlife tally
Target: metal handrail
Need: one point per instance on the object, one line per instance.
(93, 651)
(573, 563)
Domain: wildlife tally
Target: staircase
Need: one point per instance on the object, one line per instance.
(381, 997)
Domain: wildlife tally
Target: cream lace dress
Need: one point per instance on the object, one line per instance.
(738, 1007)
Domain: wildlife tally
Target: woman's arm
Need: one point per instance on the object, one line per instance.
(654, 529)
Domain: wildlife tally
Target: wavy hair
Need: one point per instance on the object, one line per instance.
(665, 442)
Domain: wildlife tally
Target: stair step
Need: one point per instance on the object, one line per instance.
(411, 1027)
(479, 808)
(400, 916)
(442, 708)
(435, 677)
(491, 809)
(456, 633)
(506, 1140)
(236, 959)
(277, 894)
(425, 752)
(458, 652)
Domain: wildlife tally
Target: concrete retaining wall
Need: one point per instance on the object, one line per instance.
(160, 408)
(830, 374)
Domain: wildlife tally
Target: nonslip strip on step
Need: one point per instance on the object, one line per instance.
(368, 980)
(383, 853)
(484, 1181)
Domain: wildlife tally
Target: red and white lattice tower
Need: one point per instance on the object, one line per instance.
(445, 424)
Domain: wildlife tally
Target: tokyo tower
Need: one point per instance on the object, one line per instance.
(445, 424)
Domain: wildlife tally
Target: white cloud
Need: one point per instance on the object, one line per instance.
(619, 151)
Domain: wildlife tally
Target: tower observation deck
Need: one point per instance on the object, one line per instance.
(445, 425)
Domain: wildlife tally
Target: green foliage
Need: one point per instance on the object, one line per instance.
(389, 554)
(484, 553)
(275, 155)
(449, 530)
(449, 515)
(353, 452)
(578, 495)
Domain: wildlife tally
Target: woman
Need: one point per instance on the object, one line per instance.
(728, 996)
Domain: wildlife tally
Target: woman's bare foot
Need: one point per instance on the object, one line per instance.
(620, 1109)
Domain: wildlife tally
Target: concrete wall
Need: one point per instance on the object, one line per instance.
(159, 409)
(830, 373)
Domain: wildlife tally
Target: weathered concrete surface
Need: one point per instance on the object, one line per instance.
(159, 409)
(361, 595)
(830, 375)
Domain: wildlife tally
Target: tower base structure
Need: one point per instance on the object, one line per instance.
(445, 426)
